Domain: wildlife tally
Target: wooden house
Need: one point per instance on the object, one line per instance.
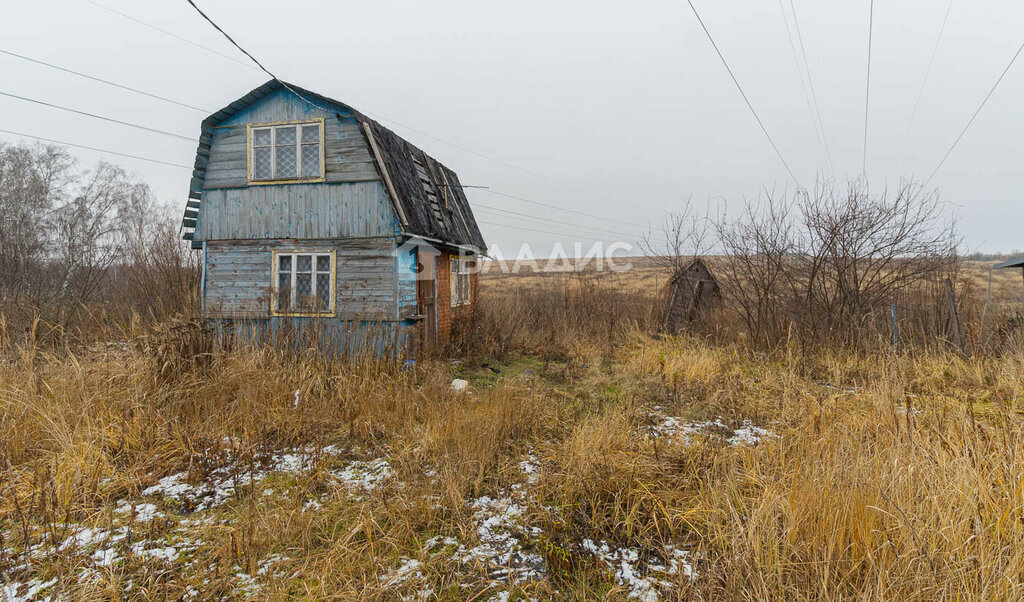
(314, 218)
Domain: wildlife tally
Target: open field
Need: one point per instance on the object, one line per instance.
(587, 459)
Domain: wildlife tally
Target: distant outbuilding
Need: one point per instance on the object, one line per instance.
(692, 292)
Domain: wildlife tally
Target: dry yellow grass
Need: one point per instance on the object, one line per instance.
(575, 453)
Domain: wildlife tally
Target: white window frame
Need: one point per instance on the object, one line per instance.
(293, 294)
(273, 128)
(459, 267)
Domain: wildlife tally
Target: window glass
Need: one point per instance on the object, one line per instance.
(285, 135)
(287, 152)
(261, 137)
(310, 160)
(304, 283)
(323, 291)
(285, 162)
(310, 133)
(261, 164)
(284, 289)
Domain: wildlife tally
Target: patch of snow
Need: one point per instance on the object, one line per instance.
(364, 474)
(629, 571)
(222, 482)
(500, 551)
(105, 557)
(748, 434)
(142, 513)
(685, 432)
(168, 554)
(25, 592)
(409, 569)
(441, 540)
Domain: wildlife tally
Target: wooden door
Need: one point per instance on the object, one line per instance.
(426, 268)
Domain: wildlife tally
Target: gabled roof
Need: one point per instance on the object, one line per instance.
(430, 203)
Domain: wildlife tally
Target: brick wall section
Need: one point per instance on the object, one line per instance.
(446, 314)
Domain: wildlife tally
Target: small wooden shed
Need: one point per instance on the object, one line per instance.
(692, 292)
(314, 218)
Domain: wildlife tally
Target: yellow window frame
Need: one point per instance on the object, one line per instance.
(249, 127)
(275, 267)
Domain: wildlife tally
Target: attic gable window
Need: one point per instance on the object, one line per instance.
(286, 152)
(304, 283)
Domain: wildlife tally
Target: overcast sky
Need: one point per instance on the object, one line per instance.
(621, 110)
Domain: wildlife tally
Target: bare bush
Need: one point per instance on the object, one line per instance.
(826, 265)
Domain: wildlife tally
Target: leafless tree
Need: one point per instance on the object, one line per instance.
(685, 235)
(72, 239)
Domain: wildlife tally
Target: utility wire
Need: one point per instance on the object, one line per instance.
(867, 89)
(537, 230)
(253, 59)
(173, 35)
(93, 115)
(408, 127)
(924, 82)
(553, 221)
(377, 117)
(550, 206)
(810, 82)
(803, 84)
(976, 113)
(742, 93)
(93, 148)
(104, 81)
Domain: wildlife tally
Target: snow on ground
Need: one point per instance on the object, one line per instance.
(363, 475)
(638, 576)
(222, 483)
(673, 427)
(24, 592)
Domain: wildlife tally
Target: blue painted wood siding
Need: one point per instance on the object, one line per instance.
(238, 277)
(296, 211)
(351, 202)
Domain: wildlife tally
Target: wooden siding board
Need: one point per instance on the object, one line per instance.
(346, 155)
(239, 277)
(359, 209)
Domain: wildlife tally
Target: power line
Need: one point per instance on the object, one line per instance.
(173, 35)
(93, 148)
(867, 91)
(810, 82)
(104, 81)
(553, 221)
(803, 82)
(927, 72)
(976, 113)
(550, 206)
(410, 128)
(537, 230)
(253, 59)
(93, 115)
(742, 93)
(271, 74)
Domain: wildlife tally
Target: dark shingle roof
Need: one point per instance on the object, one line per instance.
(430, 195)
